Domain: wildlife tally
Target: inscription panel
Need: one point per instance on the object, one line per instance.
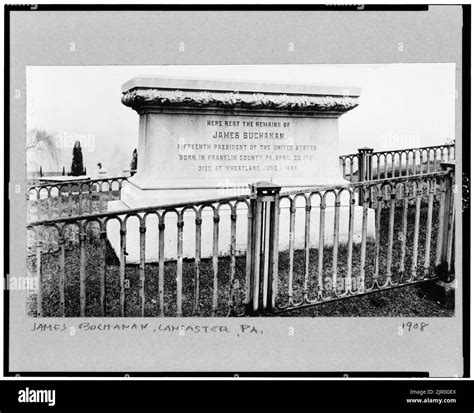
(237, 150)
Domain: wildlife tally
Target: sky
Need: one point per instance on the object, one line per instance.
(401, 106)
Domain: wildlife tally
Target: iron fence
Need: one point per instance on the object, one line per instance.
(51, 237)
(74, 197)
(261, 266)
(411, 243)
(367, 164)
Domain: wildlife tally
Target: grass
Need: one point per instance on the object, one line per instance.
(408, 301)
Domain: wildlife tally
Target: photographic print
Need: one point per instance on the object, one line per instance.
(167, 195)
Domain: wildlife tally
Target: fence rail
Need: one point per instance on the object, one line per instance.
(75, 197)
(79, 275)
(367, 164)
(88, 196)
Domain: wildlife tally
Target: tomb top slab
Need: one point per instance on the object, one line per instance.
(157, 91)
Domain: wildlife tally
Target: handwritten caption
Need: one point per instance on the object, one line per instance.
(160, 328)
(410, 326)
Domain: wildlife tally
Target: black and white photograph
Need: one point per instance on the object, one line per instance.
(166, 195)
(227, 190)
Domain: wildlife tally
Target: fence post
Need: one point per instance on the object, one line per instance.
(365, 169)
(445, 226)
(365, 164)
(443, 289)
(264, 246)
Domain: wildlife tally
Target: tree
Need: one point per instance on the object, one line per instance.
(77, 167)
(41, 150)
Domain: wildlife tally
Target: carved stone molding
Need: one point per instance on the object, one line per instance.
(139, 98)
